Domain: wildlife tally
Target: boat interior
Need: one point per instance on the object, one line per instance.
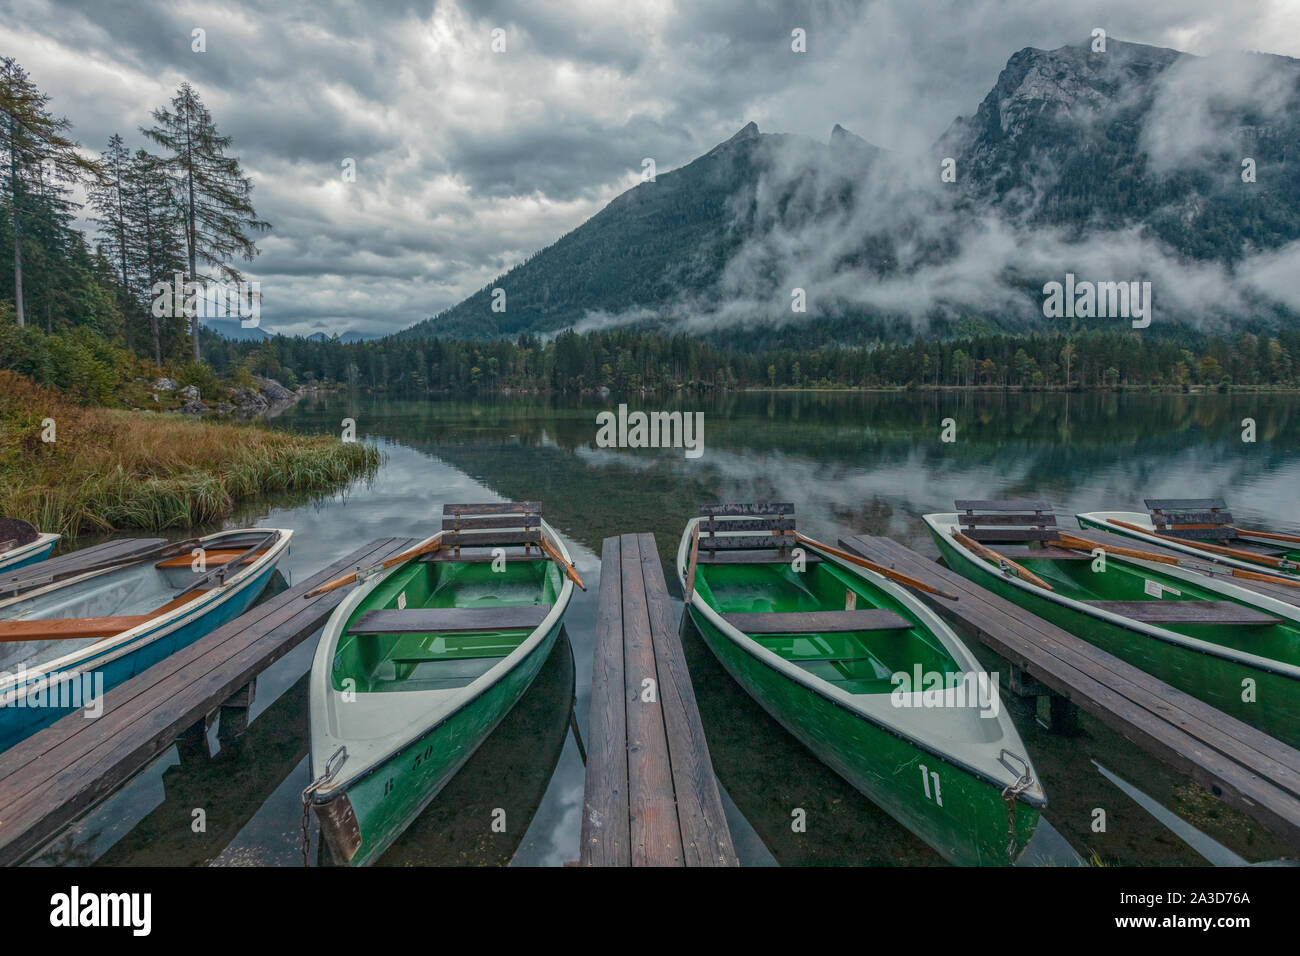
(444, 619)
(1208, 521)
(1024, 535)
(44, 627)
(832, 623)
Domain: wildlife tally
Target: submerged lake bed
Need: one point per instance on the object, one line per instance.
(852, 463)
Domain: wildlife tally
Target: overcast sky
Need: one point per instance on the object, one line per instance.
(468, 160)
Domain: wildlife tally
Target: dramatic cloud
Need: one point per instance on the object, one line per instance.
(468, 161)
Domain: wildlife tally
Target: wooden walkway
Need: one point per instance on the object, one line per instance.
(1244, 767)
(53, 777)
(651, 798)
(120, 549)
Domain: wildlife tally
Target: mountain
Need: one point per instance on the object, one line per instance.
(234, 330)
(1118, 165)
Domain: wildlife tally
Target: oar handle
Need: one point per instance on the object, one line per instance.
(993, 557)
(872, 566)
(347, 579)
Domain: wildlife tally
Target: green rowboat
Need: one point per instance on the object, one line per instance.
(850, 663)
(1236, 649)
(420, 663)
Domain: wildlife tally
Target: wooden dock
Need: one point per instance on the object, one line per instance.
(1244, 767)
(53, 777)
(119, 549)
(651, 798)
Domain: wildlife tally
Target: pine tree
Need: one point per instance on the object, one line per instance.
(210, 188)
(154, 219)
(36, 158)
(111, 196)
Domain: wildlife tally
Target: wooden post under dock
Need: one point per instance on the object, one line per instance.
(651, 798)
(1244, 767)
(55, 776)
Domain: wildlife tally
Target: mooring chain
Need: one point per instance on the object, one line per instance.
(1009, 795)
(331, 768)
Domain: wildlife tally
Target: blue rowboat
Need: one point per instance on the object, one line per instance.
(21, 544)
(64, 644)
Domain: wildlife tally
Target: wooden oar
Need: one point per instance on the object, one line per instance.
(872, 566)
(337, 583)
(60, 629)
(1083, 544)
(693, 562)
(1272, 536)
(569, 570)
(1265, 578)
(1001, 561)
(1204, 546)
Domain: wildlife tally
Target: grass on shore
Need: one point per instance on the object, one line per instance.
(110, 469)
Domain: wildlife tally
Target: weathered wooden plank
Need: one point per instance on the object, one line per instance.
(121, 549)
(655, 835)
(968, 519)
(753, 556)
(728, 542)
(606, 840)
(764, 508)
(450, 620)
(494, 508)
(57, 774)
(492, 521)
(1249, 769)
(706, 839)
(1192, 517)
(489, 539)
(818, 622)
(1011, 504)
(1013, 534)
(481, 557)
(1187, 612)
(1053, 554)
(1185, 504)
(775, 523)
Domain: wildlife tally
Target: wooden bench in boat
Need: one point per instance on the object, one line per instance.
(482, 555)
(817, 622)
(451, 620)
(489, 526)
(1187, 612)
(769, 526)
(1047, 553)
(755, 556)
(1205, 519)
(994, 521)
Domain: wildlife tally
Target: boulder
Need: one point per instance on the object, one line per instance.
(273, 390)
(194, 407)
(189, 393)
(165, 385)
(247, 400)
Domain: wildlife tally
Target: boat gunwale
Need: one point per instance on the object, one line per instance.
(44, 539)
(475, 689)
(1138, 627)
(844, 699)
(117, 646)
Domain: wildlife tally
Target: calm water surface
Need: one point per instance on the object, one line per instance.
(852, 463)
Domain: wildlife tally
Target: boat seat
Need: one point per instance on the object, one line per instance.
(214, 558)
(482, 557)
(448, 620)
(1043, 554)
(1188, 612)
(755, 556)
(818, 622)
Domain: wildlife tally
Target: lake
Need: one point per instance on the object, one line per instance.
(852, 463)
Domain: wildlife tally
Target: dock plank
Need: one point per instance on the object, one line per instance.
(650, 796)
(605, 816)
(656, 836)
(706, 839)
